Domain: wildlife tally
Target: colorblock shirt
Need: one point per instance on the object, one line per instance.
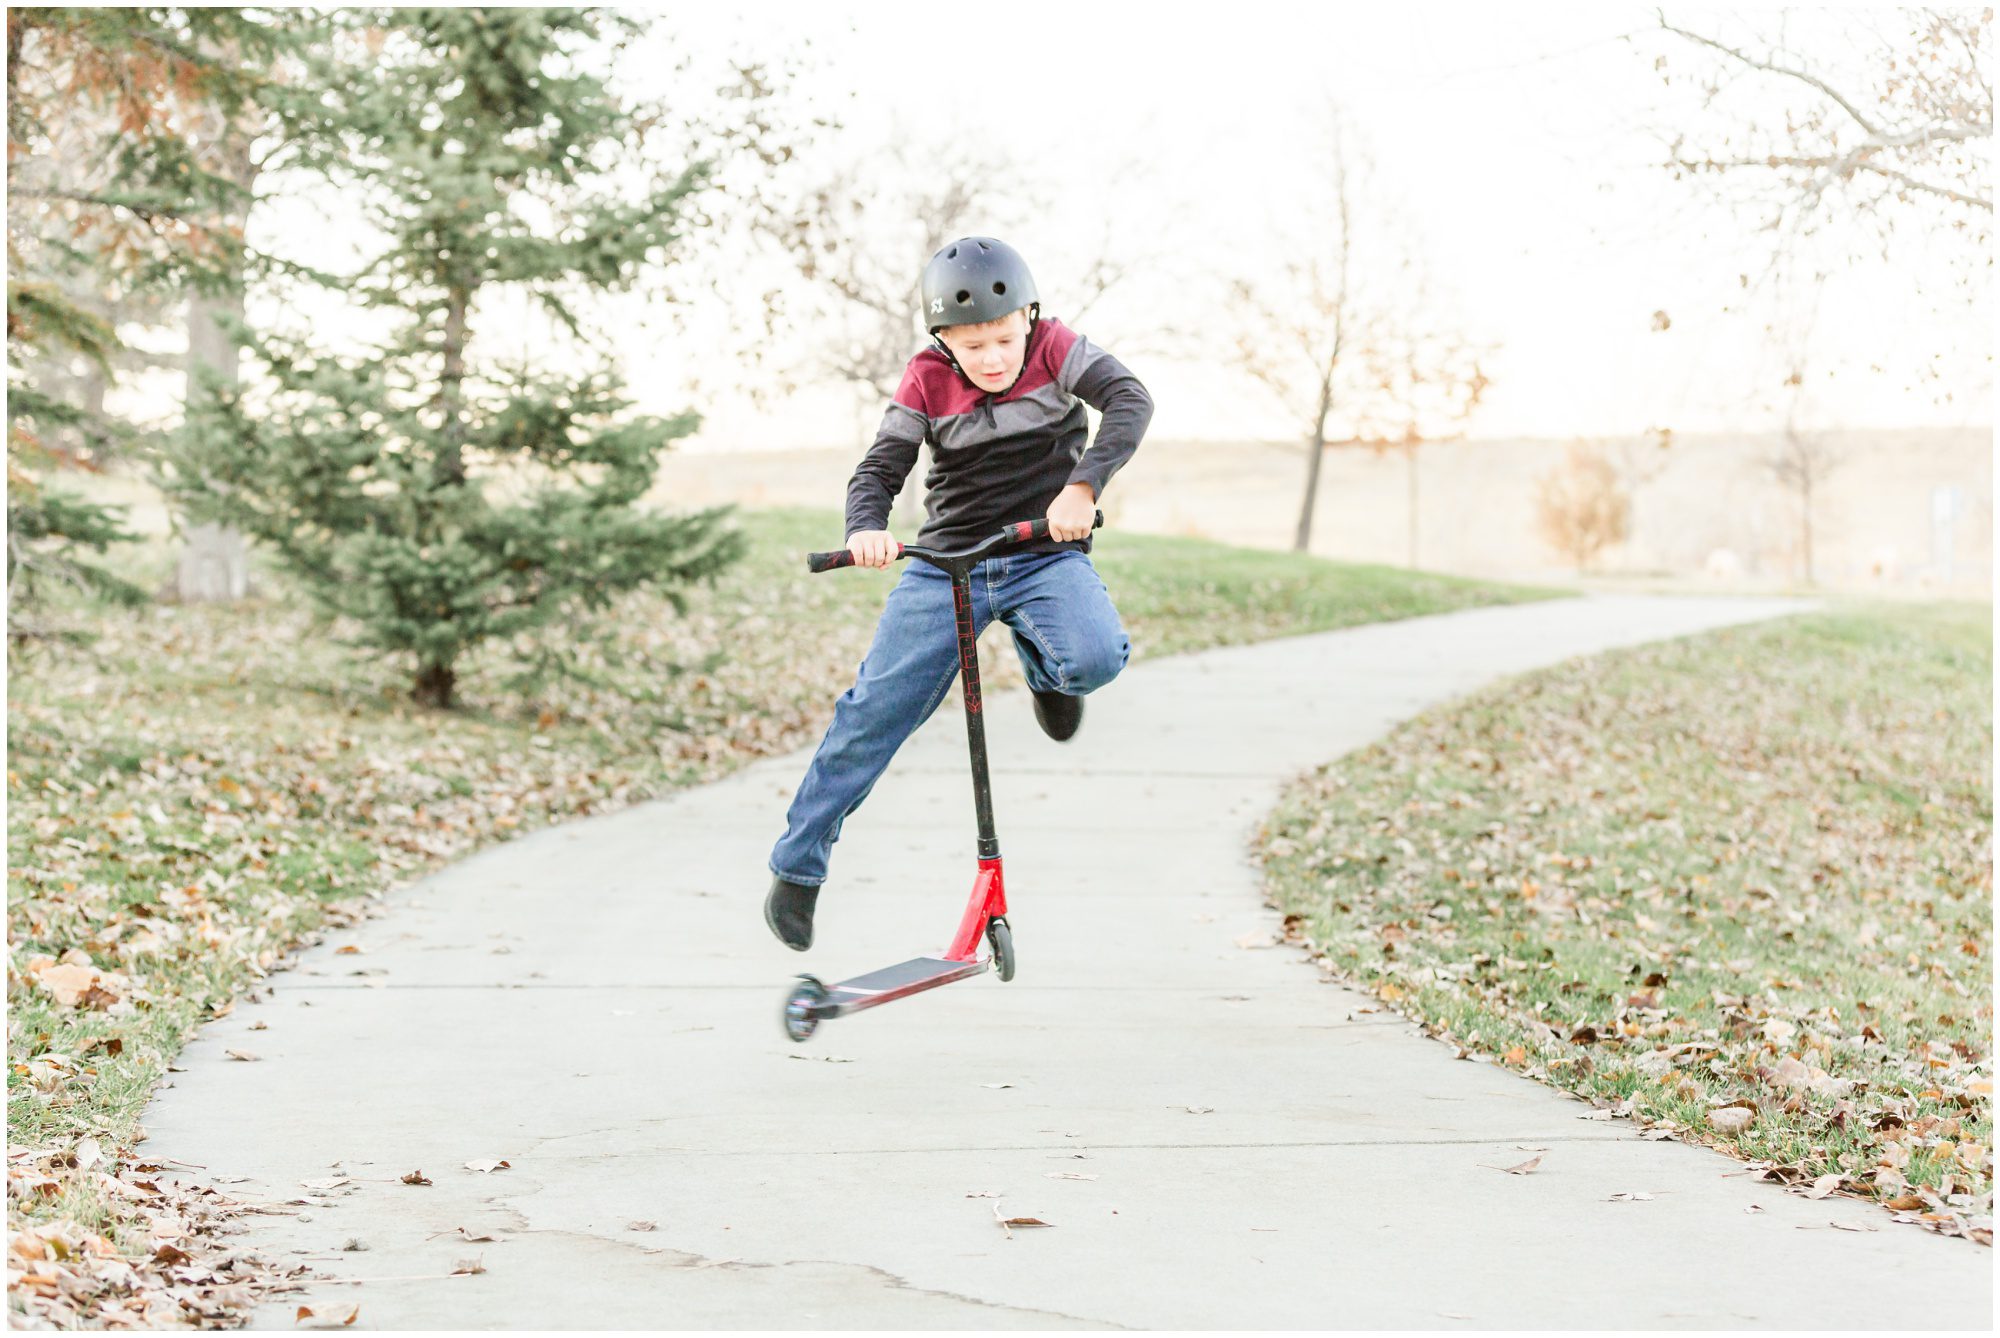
(1001, 457)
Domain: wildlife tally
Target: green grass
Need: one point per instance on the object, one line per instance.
(1188, 594)
(205, 787)
(1694, 874)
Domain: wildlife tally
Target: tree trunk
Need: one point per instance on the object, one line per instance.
(1805, 522)
(1317, 449)
(214, 564)
(1410, 455)
(435, 683)
(209, 345)
(451, 460)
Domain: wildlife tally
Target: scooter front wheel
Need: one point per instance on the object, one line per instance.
(1002, 940)
(802, 1008)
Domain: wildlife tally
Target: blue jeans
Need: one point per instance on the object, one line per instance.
(1065, 630)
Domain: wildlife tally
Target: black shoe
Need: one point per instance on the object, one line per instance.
(1058, 714)
(789, 911)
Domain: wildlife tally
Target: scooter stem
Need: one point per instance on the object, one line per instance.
(975, 722)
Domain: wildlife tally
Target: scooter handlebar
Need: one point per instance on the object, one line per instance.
(1020, 532)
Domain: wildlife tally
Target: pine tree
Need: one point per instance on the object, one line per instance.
(109, 209)
(438, 499)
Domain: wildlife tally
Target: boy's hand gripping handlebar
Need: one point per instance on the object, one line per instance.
(1020, 532)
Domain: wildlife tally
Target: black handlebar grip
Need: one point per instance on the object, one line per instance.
(1027, 530)
(835, 558)
(827, 561)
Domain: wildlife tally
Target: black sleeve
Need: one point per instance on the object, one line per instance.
(1106, 385)
(879, 476)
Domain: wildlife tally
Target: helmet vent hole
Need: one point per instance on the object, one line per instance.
(964, 296)
(984, 247)
(952, 254)
(1000, 288)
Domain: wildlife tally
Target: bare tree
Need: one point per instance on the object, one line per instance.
(1801, 462)
(1429, 378)
(1870, 121)
(1346, 335)
(1580, 506)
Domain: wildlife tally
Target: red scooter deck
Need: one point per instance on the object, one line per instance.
(895, 982)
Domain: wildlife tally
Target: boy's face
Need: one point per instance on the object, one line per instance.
(991, 354)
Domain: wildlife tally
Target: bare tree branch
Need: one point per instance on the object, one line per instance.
(1803, 76)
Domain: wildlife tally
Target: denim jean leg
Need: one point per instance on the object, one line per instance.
(906, 673)
(1066, 629)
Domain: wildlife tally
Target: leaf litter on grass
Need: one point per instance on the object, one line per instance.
(1734, 887)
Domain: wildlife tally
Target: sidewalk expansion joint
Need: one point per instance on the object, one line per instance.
(1609, 1136)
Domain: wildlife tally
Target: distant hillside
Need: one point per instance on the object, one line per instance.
(1704, 507)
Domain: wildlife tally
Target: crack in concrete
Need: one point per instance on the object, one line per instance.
(900, 1283)
(523, 1229)
(768, 986)
(1608, 1137)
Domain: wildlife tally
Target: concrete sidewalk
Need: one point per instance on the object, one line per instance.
(1218, 1138)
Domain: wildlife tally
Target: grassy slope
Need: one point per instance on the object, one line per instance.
(1750, 868)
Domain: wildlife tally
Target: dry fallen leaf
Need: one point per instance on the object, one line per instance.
(307, 1312)
(331, 1182)
(982, 1194)
(1824, 1185)
(242, 1054)
(487, 1165)
(465, 1266)
(68, 982)
(1007, 1223)
(463, 1233)
(642, 1225)
(1199, 1110)
(416, 1178)
(1731, 1119)
(1257, 938)
(1791, 1073)
(1525, 1168)
(996, 1084)
(1069, 1175)
(1628, 1196)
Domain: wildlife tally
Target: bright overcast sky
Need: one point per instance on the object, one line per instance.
(1513, 131)
(1516, 135)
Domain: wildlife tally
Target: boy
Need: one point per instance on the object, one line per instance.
(997, 399)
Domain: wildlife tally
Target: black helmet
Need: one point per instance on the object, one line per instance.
(974, 280)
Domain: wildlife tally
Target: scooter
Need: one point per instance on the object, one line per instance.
(811, 1001)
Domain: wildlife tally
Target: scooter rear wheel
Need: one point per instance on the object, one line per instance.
(802, 1008)
(1002, 939)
